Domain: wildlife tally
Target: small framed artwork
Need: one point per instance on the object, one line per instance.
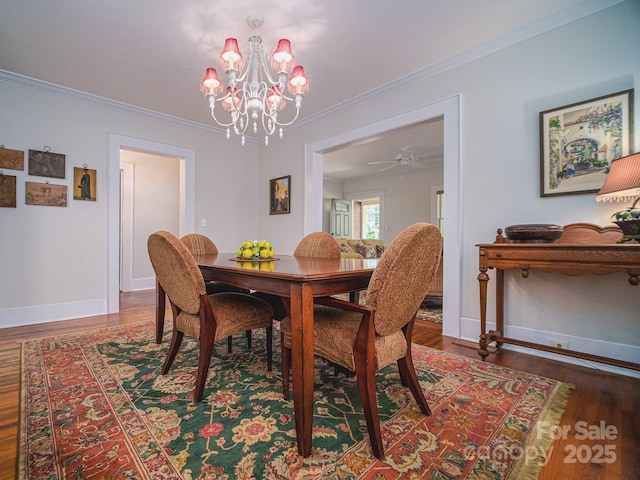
(7, 190)
(84, 184)
(12, 159)
(46, 194)
(44, 163)
(280, 195)
(578, 142)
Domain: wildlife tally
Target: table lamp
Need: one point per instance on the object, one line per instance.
(623, 184)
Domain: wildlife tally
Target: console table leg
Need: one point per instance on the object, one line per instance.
(483, 278)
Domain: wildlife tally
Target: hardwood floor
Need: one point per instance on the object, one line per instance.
(600, 403)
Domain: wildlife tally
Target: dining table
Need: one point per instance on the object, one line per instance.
(298, 280)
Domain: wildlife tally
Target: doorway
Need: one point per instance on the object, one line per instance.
(449, 109)
(187, 161)
(149, 199)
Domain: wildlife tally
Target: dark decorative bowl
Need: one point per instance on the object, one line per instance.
(630, 230)
(533, 233)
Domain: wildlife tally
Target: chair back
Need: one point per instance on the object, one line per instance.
(403, 275)
(176, 270)
(318, 244)
(199, 244)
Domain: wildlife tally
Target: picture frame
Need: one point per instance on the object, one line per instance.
(7, 190)
(280, 195)
(44, 163)
(84, 183)
(46, 194)
(578, 142)
(11, 159)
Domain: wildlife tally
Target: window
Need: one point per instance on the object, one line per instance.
(440, 210)
(370, 218)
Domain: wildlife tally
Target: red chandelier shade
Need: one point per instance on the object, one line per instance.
(298, 83)
(231, 58)
(228, 100)
(275, 96)
(282, 59)
(211, 84)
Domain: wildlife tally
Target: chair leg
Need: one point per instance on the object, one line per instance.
(206, 350)
(366, 375)
(248, 333)
(176, 340)
(229, 343)
(409, 377)
(408, 371)
(161, 300)
(286, 368)
(269, 347)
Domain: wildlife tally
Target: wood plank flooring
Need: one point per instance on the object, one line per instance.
(599, 399)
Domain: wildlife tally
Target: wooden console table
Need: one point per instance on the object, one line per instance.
(583, 248)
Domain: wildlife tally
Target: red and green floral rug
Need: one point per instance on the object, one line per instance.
(95, 406)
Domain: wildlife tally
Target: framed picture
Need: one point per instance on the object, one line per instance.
(280, 195)
(84, 184)
(13, 159)
(44, 163)
(7, 190)
(46, 194)
(578, 142)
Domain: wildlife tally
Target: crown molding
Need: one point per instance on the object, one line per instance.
(525, 32)
(565, 16)
(33, 83)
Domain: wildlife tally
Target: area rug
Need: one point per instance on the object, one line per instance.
(95, 406)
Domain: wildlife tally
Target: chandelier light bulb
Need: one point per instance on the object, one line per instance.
(254, 94)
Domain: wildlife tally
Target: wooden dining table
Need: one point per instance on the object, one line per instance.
(298, 280)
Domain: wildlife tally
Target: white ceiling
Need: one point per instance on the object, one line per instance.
(153, 54)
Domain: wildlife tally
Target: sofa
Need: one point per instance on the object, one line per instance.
(360, 247)
(373, 248)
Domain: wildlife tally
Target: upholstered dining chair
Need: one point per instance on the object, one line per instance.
(199, 244)
(315, 244)
(367, 338)
(208, 318)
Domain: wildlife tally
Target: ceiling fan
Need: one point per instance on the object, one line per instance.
(405, 157)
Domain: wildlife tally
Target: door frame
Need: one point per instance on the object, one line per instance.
(449, 109)
(187, 200)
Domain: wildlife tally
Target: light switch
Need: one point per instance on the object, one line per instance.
(203, 222)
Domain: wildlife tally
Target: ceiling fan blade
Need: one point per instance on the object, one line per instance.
(418, 165)
(388, 167)
(384, 161)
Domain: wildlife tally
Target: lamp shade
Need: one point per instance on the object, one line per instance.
(211, 84)
(282, 59)
(298, 83)
(231, 58)
(231, 99)
(275, 99)
(623, 182)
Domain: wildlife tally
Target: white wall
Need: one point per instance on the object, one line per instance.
(501, 97)
(53, 260)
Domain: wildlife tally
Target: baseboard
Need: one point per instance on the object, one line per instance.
(21, 316)
(470, 331)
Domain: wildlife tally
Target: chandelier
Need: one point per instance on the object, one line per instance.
(253, 94)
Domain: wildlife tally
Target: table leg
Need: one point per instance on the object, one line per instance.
(301, 314)
(160, 309)
(483, 278)
(499, 304)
